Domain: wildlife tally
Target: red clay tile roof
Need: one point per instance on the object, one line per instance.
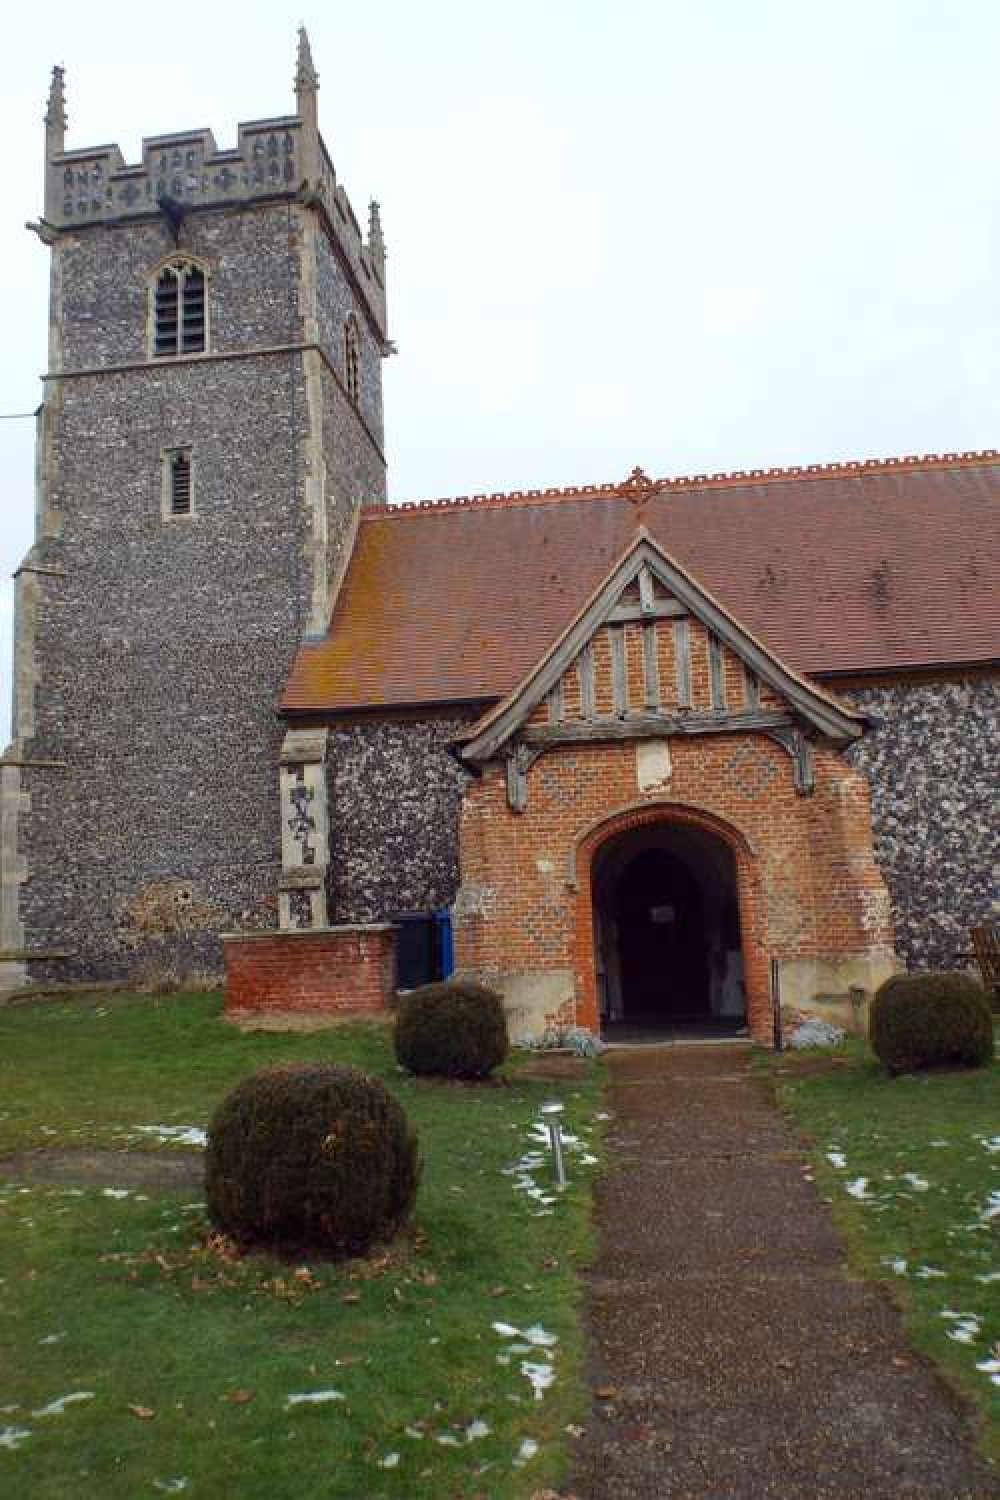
(839, 568)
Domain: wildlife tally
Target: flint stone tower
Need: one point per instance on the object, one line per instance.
(211, 423)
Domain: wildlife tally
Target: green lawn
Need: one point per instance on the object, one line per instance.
(912, 1165)
(187, 1358)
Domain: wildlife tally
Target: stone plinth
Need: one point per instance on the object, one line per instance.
(315, 973)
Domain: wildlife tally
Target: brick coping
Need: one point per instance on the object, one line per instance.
(306, 932)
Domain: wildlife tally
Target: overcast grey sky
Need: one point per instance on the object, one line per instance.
(687, 235)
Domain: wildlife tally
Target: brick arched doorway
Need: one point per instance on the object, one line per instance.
(667, 923)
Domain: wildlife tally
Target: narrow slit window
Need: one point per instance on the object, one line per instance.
(179, 311)
(352, 359)
(177, 482)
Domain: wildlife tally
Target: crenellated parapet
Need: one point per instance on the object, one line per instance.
(97, 185)
(277, 159)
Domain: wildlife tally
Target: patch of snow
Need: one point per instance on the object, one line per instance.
(540, 1336)
(414, 1433)
(313, 1398)
(115, 1192)
(859, 1188)
(57, 1407)
(897, 1265)
(13, 1437)
(447, 1440)
(534, 1337)
(527, 1451)
(927, 1272)
(966, 1327)
(540, 1377)
(992, 1208)
(390, 1461)
(171, 1486)
(52, 1338)
(938, 1144)
(991, 1143)
(837, 1159)
(181, 1135)
(989, 1276)
(920, 1184)
(477, 1429)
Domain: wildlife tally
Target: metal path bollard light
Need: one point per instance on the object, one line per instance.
(550, 1115)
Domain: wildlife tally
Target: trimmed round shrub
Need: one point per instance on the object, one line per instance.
(931, 1019)
(451, 1030)
(311, 1155)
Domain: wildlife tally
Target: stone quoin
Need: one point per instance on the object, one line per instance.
(662, 753)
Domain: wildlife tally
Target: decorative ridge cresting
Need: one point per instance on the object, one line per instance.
(638, 486)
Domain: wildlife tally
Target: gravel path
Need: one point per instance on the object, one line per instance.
(733, 1357)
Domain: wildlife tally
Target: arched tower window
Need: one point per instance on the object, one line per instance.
(179, 310)
(352, 359)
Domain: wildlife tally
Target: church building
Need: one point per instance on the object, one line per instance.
(695, 753)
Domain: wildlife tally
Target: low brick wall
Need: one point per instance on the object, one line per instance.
(329, 971)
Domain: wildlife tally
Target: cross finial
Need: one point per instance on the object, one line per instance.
(306, 77)
(55, 113)
(638, 487)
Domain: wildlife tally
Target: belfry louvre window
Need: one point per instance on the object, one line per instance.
(352, 359)
(177, 482)
(179, 311)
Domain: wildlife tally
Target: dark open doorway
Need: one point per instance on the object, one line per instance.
(666, 921)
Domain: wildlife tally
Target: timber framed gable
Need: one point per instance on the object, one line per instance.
(652, 654)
